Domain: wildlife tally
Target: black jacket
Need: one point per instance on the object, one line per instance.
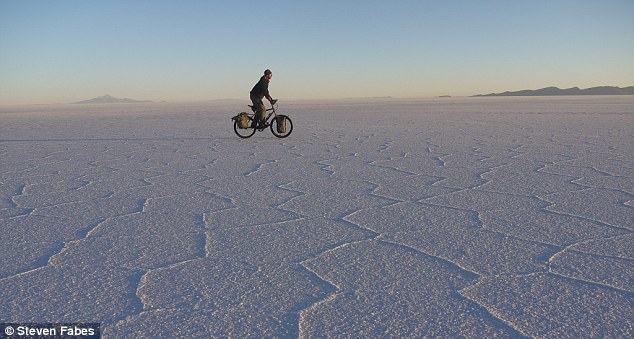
(261, 89)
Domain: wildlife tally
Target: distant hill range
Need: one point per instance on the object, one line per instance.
(552, 91)
(107, 99)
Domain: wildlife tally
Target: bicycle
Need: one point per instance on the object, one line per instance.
(281, 125)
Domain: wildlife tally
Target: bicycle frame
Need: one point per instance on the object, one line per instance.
(272, 110)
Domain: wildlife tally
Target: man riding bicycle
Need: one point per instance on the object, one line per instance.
(259, 91)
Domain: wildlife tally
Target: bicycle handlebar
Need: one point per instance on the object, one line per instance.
(273, 105)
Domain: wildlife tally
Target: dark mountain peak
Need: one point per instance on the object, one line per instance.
(554, 91)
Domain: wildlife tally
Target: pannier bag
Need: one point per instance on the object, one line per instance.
(281, 124)
(243, 120)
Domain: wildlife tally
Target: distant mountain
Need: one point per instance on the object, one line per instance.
(107, 99)
(552, 91)
(372, 98)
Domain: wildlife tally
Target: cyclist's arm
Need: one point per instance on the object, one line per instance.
(266, 91)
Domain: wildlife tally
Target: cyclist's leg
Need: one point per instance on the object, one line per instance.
(262, 112)
(259, 111)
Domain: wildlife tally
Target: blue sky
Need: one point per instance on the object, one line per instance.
(65, 51)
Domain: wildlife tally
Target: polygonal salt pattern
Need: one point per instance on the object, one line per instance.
(462, 217)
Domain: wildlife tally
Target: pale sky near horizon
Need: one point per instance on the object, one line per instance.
(65, 51)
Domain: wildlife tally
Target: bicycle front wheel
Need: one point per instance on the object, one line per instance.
(281, 131)
(244, 132)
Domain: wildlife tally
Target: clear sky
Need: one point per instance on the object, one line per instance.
(64, 51)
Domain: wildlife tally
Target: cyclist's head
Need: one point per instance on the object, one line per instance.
(268, 73)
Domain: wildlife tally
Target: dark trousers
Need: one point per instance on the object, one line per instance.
(260, 110)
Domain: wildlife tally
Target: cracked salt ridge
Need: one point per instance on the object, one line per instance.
(365, 306)
(475, 149)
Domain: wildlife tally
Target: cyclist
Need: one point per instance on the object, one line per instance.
(260, 91)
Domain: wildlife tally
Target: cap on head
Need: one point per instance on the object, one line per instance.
(267, 72)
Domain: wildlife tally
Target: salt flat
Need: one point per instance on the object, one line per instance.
(470, 217)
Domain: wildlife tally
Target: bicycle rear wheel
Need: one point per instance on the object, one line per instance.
(244, 132)
(288, 129)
